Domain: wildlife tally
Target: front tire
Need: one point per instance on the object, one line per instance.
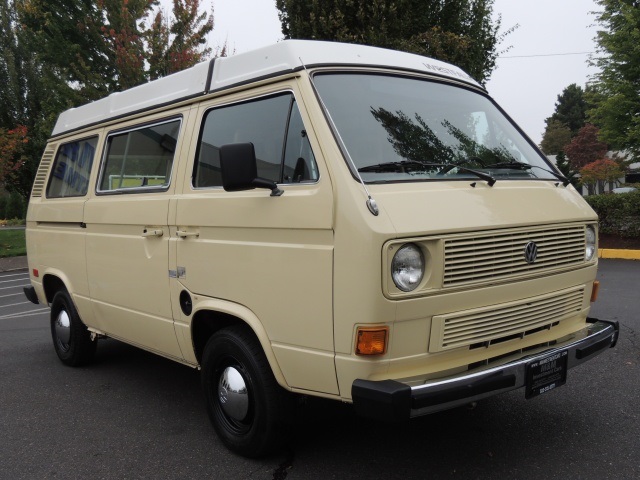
(246, 405)
(71, 339)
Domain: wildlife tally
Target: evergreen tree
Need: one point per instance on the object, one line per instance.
(29, 105)
(462, 32)
(174, 46)
(556, 136)
(57, 54)
(617, 111)
(101, 46)
(570, 109)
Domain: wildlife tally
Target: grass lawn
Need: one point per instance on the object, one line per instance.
(12, 243)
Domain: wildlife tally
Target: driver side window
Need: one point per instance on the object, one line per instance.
(274, 126)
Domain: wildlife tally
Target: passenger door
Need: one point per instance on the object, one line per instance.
(272, 256)
(127, 245)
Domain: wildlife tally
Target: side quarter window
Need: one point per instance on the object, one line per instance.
(274, 126)
(140, 159)
(299, 163)
(72, 168)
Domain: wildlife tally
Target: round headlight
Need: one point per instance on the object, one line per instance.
(407, 267)
(590, 242)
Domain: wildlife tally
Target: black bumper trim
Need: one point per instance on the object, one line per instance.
(31, 295)
(393, 400)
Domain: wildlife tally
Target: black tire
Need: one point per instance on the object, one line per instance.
(254, 423)
(71, 339)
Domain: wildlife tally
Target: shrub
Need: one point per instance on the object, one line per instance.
(15, 206)
(619, 213)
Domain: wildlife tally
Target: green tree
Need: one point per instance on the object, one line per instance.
(617, 111)
(29, 105)
(462, 32)
(556, 136)
(567, 170)
(570, 109)
(101, 46)
(181, 43)
(57, 54)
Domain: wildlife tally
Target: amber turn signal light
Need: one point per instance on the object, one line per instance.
(594, 290)
(372, 341)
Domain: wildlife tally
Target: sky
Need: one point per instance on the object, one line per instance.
(527, 86)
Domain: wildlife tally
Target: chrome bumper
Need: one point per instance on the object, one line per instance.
(394, 401)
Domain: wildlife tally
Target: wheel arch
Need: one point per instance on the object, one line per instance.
(211, 317)
(54, 281)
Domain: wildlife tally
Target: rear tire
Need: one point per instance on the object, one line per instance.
(247, 407)
(71, 339)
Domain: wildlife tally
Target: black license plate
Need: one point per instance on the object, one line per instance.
(545, 374)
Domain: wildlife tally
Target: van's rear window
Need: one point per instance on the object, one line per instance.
(72, 168)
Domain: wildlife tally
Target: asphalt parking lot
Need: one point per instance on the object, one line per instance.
(134, 415)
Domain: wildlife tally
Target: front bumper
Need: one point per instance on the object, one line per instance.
(396, 401)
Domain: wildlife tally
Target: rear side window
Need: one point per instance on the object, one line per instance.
(72, 168)
(140, 159)
(273, 125)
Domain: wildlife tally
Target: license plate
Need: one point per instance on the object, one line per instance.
(545, 374)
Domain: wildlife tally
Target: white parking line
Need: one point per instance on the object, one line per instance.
(15, 280)
(14, 274)
(14, 304)
(15, 286)
(27, 314)
(12, 295)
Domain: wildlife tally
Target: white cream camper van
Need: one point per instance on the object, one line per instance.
(319, 219)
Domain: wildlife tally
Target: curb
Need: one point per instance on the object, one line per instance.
(619, 253)
(8, 264)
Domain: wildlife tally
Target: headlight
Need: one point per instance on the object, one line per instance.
(590, 242)
(407, 267)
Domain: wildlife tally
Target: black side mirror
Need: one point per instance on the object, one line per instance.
(240, 171)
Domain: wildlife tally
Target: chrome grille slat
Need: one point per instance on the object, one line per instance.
(499, 322)
(491, 316)
(498, 255)
(508, 326)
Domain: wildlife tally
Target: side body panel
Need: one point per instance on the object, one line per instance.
(271, 255)
(127, 253)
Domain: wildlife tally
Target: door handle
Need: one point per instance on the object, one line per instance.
(185, 234)
(152, 233)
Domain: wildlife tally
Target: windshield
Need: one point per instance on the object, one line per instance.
(398, 128)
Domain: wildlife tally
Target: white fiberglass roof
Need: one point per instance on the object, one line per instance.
(224, 72)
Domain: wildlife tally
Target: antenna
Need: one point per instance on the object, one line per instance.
(371, 203)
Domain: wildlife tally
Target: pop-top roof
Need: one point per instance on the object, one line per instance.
(286, 56)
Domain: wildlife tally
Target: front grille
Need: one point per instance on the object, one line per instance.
(490, 325)
(499, 255)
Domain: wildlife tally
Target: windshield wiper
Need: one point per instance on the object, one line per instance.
(525, 166)
(406, 166)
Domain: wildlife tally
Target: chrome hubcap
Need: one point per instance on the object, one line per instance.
(232, 394)
(63, 329)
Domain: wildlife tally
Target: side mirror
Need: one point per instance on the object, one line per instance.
(240, 171)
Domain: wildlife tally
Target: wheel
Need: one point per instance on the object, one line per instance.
(71, 339)
(246, 405)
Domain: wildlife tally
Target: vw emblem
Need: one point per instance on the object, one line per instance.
(530, 252)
